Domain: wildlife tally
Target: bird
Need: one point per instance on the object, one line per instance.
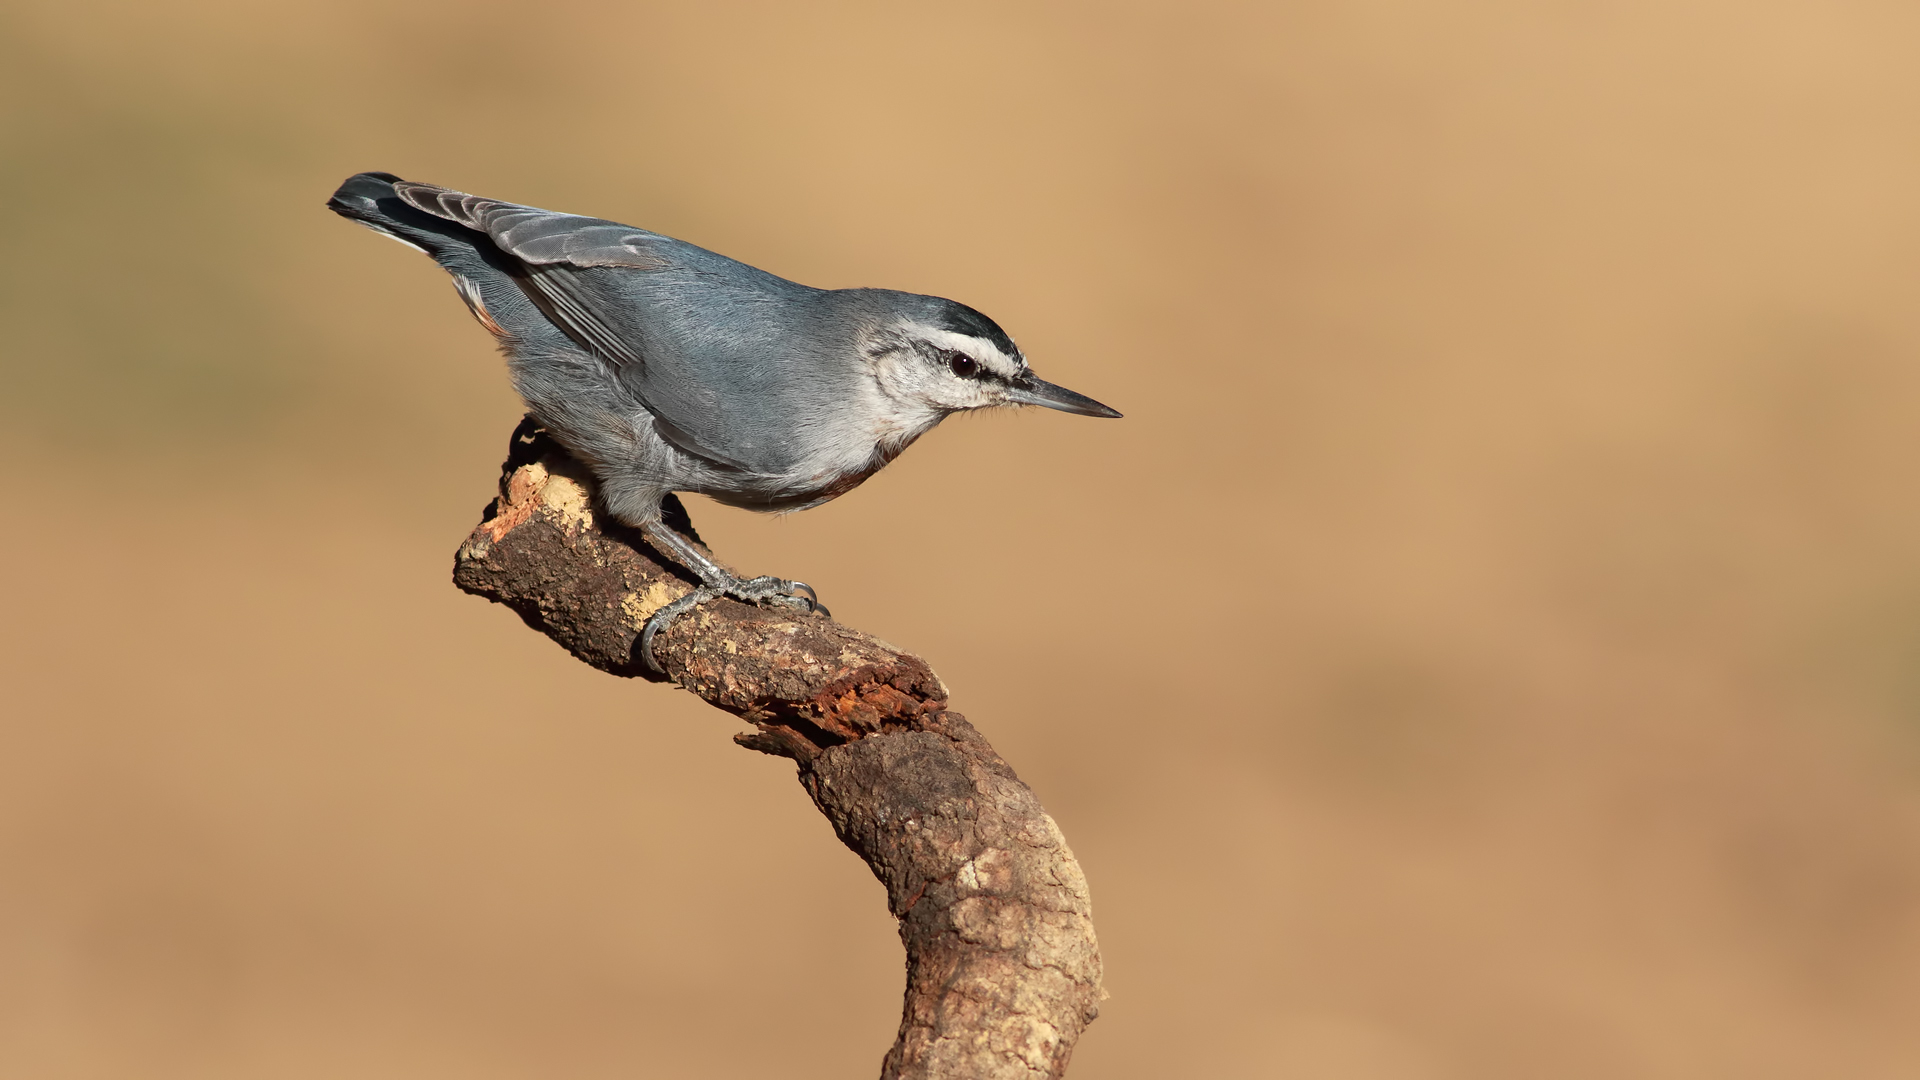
(664, 367)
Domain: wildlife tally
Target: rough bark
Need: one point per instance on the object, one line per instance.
(1003, 972)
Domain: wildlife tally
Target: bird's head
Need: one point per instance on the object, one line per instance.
(940, 357)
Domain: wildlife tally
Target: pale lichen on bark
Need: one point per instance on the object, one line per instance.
(1003, 970)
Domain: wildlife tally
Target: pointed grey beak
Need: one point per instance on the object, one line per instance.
(1032, 391)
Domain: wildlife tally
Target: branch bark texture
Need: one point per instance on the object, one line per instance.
(1003, 971)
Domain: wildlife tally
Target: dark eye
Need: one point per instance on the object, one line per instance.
(963, 366)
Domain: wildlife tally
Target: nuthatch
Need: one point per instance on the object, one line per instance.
(664, 367)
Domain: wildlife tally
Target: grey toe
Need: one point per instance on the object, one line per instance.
(664, 617)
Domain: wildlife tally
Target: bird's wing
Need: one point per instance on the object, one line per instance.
(540, 237)
(553, 247)
(557, 250)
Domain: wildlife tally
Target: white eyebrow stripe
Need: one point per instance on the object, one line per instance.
(986, 353)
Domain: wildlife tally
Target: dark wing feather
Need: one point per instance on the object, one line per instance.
(552, 246)
(537, 236)
(559, 293)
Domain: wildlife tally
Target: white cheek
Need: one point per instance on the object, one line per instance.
(975, 396)
(919, 394)
(910, 394)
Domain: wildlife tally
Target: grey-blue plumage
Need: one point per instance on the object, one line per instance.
(666, 367)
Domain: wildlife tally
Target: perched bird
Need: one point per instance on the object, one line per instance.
(665, 367)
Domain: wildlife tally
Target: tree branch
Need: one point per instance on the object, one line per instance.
(1003, 972)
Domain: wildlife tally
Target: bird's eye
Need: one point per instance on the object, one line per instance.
(962, 365)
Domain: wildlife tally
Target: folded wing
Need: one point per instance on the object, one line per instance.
(564, 258)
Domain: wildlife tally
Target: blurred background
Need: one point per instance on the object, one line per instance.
(1489, 647)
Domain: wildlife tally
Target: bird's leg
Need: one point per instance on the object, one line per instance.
(715, 581)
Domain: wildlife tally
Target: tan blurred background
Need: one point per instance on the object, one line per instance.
(1489, 648)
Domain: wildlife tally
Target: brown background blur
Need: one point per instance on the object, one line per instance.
(1489, 647)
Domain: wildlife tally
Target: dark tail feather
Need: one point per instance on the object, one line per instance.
(369, 199)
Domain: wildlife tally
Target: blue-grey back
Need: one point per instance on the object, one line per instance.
(736, 362)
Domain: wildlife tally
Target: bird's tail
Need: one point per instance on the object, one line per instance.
(369, 198)
(481, 272)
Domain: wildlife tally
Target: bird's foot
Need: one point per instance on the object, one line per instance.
(764, 591)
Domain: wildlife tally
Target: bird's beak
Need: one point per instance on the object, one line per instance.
(1031, 391)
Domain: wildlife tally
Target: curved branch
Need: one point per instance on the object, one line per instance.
(1003, 972)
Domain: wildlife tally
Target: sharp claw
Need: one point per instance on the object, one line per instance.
(664, 617)
(813, 598)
